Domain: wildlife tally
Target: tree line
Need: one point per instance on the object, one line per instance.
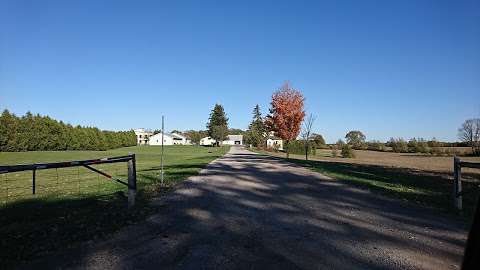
(357, 140)
(287, 115)
(42, 133)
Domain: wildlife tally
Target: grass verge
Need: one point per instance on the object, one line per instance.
(430, 189)
(36, 226)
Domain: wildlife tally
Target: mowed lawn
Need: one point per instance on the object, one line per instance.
(179, 162)
(75, 204)
(414, 178)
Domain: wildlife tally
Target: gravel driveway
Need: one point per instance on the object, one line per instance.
(248, 211)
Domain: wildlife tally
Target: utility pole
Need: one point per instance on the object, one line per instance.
(161, 158)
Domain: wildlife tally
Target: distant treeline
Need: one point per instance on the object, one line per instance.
(42, 133)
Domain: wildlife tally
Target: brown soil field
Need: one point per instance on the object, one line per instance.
(412, 161)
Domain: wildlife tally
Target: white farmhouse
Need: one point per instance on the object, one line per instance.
(143, 136)
(169, 139)
(231, 140)
(274, 142)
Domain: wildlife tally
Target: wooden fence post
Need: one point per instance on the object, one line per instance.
(132, 181)
(457, 183)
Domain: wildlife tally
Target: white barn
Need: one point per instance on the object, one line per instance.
(169, 139)
(157, 139)
(180, 139)
(231, 140)
(234, 140)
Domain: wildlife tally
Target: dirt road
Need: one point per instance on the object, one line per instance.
(247, 211)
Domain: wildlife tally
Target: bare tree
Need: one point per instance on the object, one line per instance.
(306, 133)
(470, 134)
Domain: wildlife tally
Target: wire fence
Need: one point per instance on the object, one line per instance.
(72, 180)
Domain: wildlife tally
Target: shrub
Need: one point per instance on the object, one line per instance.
(274, 148)
(412, 145)
(347, 151)
(418, 146)
(340, 144)
(334, 151)
(438, 151)
(398, 145)
(434, 143)
(298, 147)
(376, 146)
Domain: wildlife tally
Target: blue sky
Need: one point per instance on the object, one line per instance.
(388, 68)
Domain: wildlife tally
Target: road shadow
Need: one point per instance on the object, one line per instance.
(37, 227)
(251, 211)
(427, 188)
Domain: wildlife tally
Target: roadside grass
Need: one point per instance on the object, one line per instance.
(74, 204)
(426, 188)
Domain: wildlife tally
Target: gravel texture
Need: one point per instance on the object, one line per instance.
(248, 211)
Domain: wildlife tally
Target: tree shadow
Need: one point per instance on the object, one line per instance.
(36, 227)
(428, 188)
(256, 212)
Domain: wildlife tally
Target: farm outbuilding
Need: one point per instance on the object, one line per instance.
(231, 140)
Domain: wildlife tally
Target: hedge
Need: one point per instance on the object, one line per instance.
(42, 133)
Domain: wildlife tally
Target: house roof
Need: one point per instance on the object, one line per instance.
(178, 135)
(159, 135)
(142, 130)
(229, 138)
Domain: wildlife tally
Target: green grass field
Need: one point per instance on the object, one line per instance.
(75, 204)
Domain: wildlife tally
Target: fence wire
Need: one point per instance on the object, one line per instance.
(60, 183)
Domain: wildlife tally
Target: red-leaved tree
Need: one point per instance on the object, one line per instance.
(286, 114)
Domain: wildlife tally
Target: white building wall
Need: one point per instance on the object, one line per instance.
(179, 139)
(142, 136)
(232, 140)
(157, 139)
(272, 143)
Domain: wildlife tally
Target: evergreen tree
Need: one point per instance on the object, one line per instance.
(256, 130)
(8, 129)
(39, 133)
(217, 125)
